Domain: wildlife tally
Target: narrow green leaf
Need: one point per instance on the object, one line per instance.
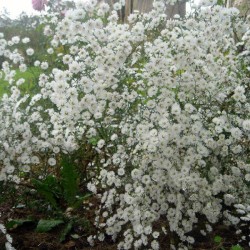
(66, 231)
(45, 190)
(69, 180)
(46, 225)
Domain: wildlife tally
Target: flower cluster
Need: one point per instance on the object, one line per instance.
(8, 244)
(164, 104)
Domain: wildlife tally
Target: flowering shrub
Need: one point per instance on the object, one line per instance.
(163, 107)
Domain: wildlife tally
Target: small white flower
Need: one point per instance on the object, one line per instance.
(37, 63)
(52, 161)
(15, 39)
(114, 137)
(30, 52)
(175, 110)
(236, 133)
(246, 125)
(22, 67)
(101, 143)
(50, 51)
(44, 65)
(247, 177)
(25, 40)
(155, 234)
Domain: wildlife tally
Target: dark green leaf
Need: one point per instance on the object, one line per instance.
(93, 141)
(220, 2)
(47, 225)
(15, 223)
(66, 231)
(46, 191)
(69, 180)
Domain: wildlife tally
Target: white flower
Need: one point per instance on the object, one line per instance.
(37, 63)
(44, 65)
(114, 137)
(2, 228)
(22, 67)
(175, 109)
(50, 51)
(246, 125)
(26, 40)
(92, 188)
(155, 234)
(15, 39)
(101, 143)
(117, 6)
(136, 173)
(52, 161)
(30, 52)
(121, 171)
(146, 179)
(236, 133)
(8, 238)
(155, 245)
(247, 177)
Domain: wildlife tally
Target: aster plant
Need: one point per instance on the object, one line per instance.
(163, 107)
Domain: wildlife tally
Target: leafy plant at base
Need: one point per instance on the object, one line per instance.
(62, 190)
(69, 180)
(48, 189)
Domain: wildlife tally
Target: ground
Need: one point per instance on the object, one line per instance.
(26, 238)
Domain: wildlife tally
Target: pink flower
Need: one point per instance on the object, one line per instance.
(39, 4)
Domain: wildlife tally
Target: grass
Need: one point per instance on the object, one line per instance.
(28, 87)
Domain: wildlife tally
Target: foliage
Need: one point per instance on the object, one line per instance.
(220, 244)
(46, 225)
(62, 190)
(16, 223)
(69, 181)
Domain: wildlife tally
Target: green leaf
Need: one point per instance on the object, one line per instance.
(16, 223)
(220, 2)
(46, 225)
(217, 239)
(69, 180)
(93, 141)
(66, 231)
(45, 190)
(236, 247)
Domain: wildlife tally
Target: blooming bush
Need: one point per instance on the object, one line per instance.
(163, 107)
